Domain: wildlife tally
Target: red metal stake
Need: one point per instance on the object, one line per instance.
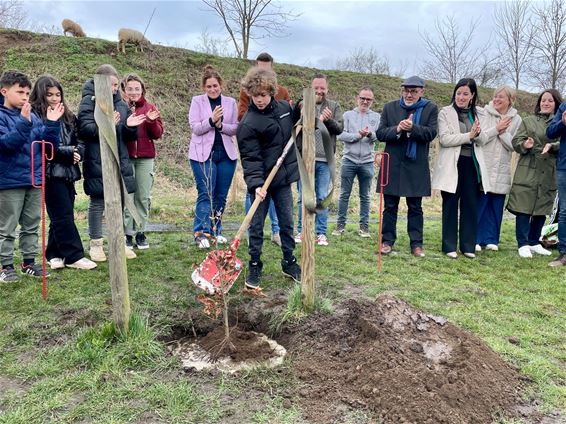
(384, 180)
(42, 186)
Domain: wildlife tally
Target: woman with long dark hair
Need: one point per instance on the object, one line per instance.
(64, 246)
(460, 168)
(534, 184)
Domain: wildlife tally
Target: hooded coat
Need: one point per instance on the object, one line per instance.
(534, 183)
(88, 132)
(16, 137)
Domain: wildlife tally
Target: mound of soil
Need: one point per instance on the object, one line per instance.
(398, 364)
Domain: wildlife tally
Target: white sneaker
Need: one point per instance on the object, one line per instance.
(470, 255)
(452, 255)
(57, 263)
(202, 243)
(492, 247)
(538, 249)
(525, 252)
(321, 240)
(221, 239)
(478, 248)
(298, 238)
(82, 263)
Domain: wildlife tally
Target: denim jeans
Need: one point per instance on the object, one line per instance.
(490, 216)
(561, 183)
(272, 213)
(364, 172)
(213, 179)
(321, 184)
(528, 229)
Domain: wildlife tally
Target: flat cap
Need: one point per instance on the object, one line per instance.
(413, 81)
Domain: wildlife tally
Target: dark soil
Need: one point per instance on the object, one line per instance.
(243, 346)
(399, 365)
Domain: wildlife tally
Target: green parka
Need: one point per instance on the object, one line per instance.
(534, 183)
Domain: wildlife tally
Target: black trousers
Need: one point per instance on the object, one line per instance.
(466, 201)
(64, 239)
(528, 229)
(415, 220)
(283, 201)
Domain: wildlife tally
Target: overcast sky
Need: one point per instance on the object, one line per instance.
(325, 30)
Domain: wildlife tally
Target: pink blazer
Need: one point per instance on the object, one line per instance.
(202, 139)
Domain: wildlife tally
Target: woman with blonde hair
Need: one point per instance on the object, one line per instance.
(500, 124)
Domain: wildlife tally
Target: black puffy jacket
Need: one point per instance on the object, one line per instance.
(88, 132)
(262, 136)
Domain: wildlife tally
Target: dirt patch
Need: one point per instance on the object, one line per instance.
(245, 345)
(398, 364)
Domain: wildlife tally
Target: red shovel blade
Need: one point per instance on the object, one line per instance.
(218, 272)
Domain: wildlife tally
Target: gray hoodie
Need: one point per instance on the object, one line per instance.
(359, 149)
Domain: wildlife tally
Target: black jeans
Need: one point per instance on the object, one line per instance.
(528, 229)
(64, 239)
(415, 220)
(465, 199)
(283, 201)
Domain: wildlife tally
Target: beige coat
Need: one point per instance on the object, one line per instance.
(445, 175)
(498, 149)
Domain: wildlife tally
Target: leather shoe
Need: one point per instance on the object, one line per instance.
(418, 252)
(386, 249)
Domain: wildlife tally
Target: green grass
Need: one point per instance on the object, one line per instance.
(73, 366)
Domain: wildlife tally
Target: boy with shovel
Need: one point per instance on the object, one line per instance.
(262, 136)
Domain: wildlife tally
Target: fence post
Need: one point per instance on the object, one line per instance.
(307, 252)
(112, 180)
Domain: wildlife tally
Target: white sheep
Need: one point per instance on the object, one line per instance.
(73, 28)
(132, 36)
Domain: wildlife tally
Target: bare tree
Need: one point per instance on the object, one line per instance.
(364, 61)
(246, 20)
(548, 68)
(214, 46)
(12, 14)
(450, 51)
(515, 31)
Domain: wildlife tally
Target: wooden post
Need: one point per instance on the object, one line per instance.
(111, 177)
(307, 253)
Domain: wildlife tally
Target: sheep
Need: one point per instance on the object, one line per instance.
(132, 36)
(73, 28)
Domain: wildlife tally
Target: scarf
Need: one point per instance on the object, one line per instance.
(416, 109)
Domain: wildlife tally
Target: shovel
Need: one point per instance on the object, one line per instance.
(221, 268)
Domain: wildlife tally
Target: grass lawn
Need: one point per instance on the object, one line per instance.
(60, 360)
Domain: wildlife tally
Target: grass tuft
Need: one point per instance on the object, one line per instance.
(294, 312)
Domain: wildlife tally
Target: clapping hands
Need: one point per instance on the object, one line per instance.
(54, 113)
(406, 124)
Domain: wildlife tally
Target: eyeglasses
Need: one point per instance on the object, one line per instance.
(412, 91)
(365, 99)
(133, 89)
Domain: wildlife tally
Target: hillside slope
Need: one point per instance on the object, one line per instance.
(173, 77)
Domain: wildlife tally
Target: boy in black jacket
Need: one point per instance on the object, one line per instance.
(262, 136)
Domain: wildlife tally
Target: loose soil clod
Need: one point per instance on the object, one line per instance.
(398, 365)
